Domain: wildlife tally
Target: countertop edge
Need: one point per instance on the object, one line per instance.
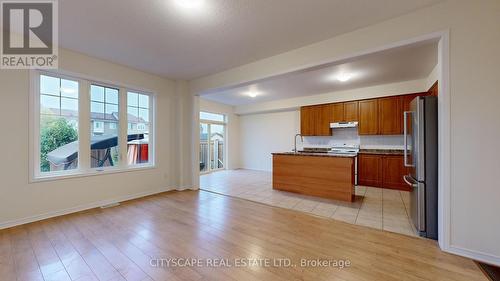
(315, 154)
(382, 151)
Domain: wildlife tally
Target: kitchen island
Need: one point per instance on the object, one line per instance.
(316, 174)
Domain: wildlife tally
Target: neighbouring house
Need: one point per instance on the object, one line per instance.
(105, 123)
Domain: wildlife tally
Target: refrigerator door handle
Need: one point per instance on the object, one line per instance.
(405, 132)
(410, 182)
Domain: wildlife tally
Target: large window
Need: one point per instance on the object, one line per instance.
(104, 111)
(118, 140)
(138, 115)
(58, 124)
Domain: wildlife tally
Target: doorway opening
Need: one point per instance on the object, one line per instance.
(212, 142)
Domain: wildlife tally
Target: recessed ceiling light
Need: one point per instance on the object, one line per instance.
(253, 94)
(190, 4)
(343, 77)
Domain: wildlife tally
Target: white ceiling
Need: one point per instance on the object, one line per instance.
(157, 36)
(395, 65)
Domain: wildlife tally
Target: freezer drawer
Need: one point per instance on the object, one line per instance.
(417, 203)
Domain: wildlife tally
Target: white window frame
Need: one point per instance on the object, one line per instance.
(84, 126)
(152, 125)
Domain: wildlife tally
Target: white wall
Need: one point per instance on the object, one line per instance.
(232, 130)
(433, 76)
(473, 90)
(263, 134)
(22, 201)
(351, 136)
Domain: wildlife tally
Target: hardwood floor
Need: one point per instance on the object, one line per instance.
(119, 243)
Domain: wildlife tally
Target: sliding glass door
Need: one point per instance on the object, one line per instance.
(204, 153)
(216, 147)
(212, 142)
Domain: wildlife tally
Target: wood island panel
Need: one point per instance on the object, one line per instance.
(326, 177)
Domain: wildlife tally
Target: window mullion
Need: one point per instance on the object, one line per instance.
(84, 126)
(152, 130)
(122, 126)
(35, 123)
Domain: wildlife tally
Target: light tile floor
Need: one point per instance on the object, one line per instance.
(383, 209)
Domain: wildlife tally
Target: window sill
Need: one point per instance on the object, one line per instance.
(91, 173)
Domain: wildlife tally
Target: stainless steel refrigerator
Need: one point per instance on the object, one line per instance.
(421, 157)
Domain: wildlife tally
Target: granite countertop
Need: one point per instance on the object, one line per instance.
(382, 151)
(315, 154)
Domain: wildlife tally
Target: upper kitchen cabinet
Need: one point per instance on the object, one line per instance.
(433, 91)
(406, 100)
(325, 118)
(307, 120)
(379, 116)
(351, 111)
(315, 120)
(338, 112)
(345, 111)
(390, 112)
(368, 117)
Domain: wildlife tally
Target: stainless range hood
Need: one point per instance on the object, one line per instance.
(339, 125)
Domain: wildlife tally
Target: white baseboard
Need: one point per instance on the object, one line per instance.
(80, 208)
(186, 187)
(475, 255)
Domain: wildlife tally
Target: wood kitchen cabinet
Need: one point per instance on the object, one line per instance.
(323, 176)
(389, 113)
(380, 116)
(370, 170)
(384, 171)
(345, 111)
(315, 120)
(368, 117)
(351, 111)
(323, 124)
(393, 170)
(338, 112)
(433, 91)
(406, 100)
(307, 120)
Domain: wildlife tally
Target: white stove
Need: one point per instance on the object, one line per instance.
(345, 148)
(348, 148)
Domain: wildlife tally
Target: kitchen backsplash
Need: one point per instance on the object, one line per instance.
(350, 136)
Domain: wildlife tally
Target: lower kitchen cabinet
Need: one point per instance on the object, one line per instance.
(380, 170)
(369, 169)
(393, 170)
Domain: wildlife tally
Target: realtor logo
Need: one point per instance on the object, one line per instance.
(29, 35)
